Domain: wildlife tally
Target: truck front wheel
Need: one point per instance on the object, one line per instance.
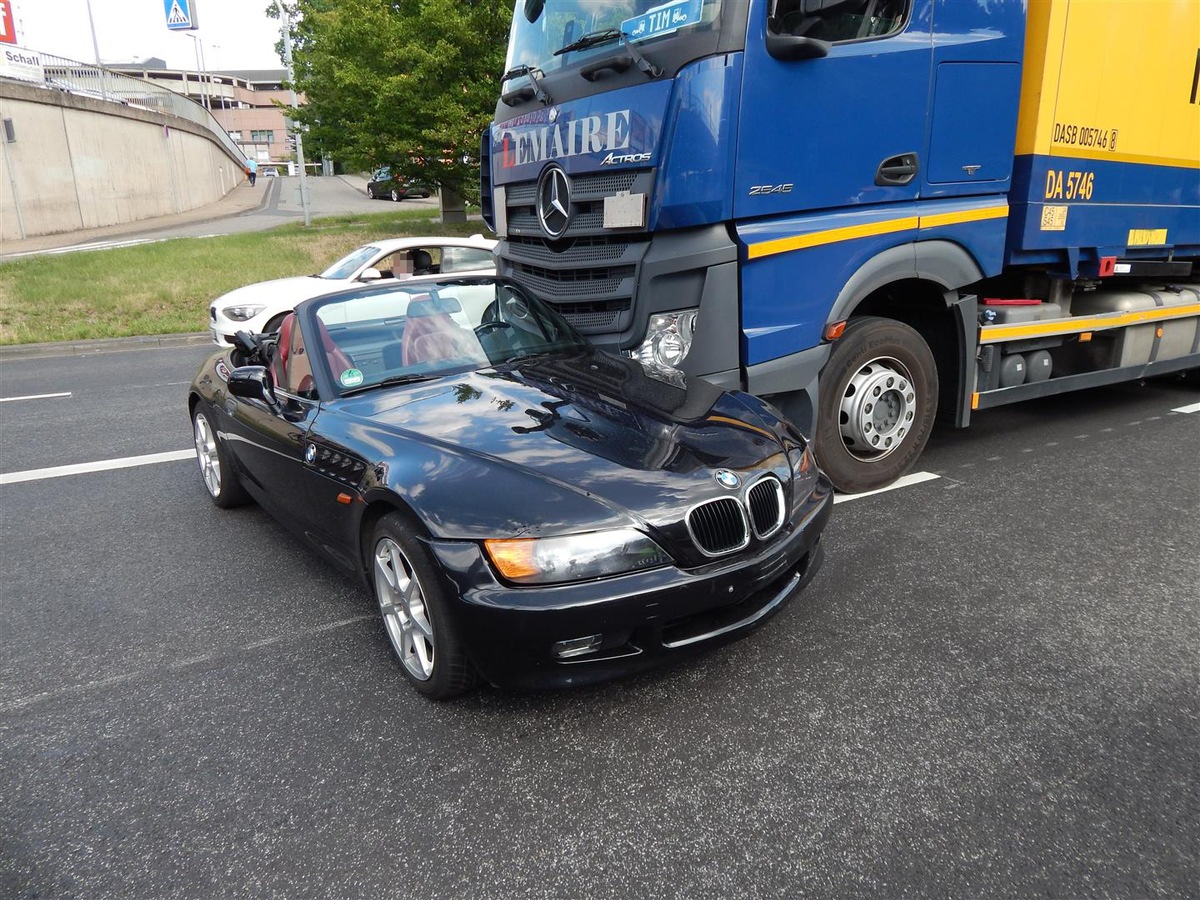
(878, 398)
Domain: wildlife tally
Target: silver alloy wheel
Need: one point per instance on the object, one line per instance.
(207, 455)
(402, 604)
(395, 196)
(878, 409)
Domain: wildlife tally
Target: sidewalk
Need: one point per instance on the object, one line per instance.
(12, 352)
(241, 199)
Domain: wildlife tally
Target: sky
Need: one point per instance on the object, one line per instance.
(236, 34)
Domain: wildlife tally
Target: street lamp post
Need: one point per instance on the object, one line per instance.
(286, 17)
(198, 46)
(96, 48)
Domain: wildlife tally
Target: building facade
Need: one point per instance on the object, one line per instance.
(247, 103)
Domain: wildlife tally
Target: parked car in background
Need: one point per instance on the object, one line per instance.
(527, 508)
(261, 307)
(388, 185)
(268, 171)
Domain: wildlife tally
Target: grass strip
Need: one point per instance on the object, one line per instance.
(165, 287)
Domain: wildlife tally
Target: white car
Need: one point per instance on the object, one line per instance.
(260, 307)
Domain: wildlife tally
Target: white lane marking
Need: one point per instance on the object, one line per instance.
(79, 248)
(1190, 408)
(103, 465)
(35, 397)
(906, 481)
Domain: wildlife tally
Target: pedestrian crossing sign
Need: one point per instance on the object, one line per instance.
(181, 15)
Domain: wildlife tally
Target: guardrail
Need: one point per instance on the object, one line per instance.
(100, 83)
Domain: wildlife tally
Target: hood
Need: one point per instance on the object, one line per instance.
(286, 290)
(590, 423)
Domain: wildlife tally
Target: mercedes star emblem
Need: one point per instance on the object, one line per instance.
(554, 201)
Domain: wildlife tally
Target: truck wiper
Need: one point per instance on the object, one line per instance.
(520, 95)
(591, 39)
(607, 36)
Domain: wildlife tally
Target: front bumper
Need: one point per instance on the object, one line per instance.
(644, 618)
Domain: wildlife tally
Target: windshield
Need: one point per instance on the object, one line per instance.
(417, 331)
(350, 263)
(562, 23)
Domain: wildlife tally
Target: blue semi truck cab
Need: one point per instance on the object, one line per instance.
(871, 212)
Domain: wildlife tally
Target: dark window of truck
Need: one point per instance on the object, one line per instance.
(836, 21)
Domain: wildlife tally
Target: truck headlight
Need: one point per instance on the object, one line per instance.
(242, 313)
(574, 557)
(668, 339)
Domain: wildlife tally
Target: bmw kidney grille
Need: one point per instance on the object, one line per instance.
(765, 500)
(724, 525)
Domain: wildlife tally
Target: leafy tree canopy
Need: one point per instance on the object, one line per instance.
(406, 83)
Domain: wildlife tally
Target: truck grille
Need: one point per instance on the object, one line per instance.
(590, 273)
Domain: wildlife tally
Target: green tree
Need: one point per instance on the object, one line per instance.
(409, 83)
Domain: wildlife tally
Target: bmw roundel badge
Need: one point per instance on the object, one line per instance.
(310, 453)
(727, 479)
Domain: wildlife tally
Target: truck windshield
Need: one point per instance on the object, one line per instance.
(588, 28)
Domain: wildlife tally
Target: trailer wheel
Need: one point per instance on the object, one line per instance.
(878, 399)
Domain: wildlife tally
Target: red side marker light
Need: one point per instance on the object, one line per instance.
(1108, 266)
(345, 498)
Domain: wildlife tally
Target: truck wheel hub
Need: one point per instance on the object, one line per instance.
(878, 409)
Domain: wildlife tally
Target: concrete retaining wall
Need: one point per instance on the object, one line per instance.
(79, 162)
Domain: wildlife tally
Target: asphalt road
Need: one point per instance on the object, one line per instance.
(991, 689)
(328, 196)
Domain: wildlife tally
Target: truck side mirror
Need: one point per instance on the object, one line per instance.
(788, 47)
(533, 9)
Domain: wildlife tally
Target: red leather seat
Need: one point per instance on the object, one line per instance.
(430, 335)
(295, 374)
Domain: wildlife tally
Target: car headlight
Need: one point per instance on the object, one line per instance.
(574, 557)
(668, 339)
(242, 313)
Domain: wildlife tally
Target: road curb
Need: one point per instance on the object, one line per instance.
(103, 345)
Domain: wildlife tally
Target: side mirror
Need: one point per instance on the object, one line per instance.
(370, 273)
(254, 383)
(789, 47)
(533, 10)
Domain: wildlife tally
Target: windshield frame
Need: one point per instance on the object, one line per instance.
(494, 354)
(345, 268)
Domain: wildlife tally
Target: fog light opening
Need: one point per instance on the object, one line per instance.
(577, 647)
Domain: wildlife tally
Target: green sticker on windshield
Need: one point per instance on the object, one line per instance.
(351, 378)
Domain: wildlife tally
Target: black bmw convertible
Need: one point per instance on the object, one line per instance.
(526, 508)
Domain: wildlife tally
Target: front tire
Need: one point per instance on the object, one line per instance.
(216, 469)
(879, 394)
(370, 193)
(415, 609)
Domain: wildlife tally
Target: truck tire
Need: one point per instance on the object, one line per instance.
(878, 399)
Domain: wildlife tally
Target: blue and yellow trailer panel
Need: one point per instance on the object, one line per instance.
(1108, 133)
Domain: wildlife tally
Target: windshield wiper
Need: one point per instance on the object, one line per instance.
(591, 39)
(392, 381)
(607, 36)
(520, 95)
